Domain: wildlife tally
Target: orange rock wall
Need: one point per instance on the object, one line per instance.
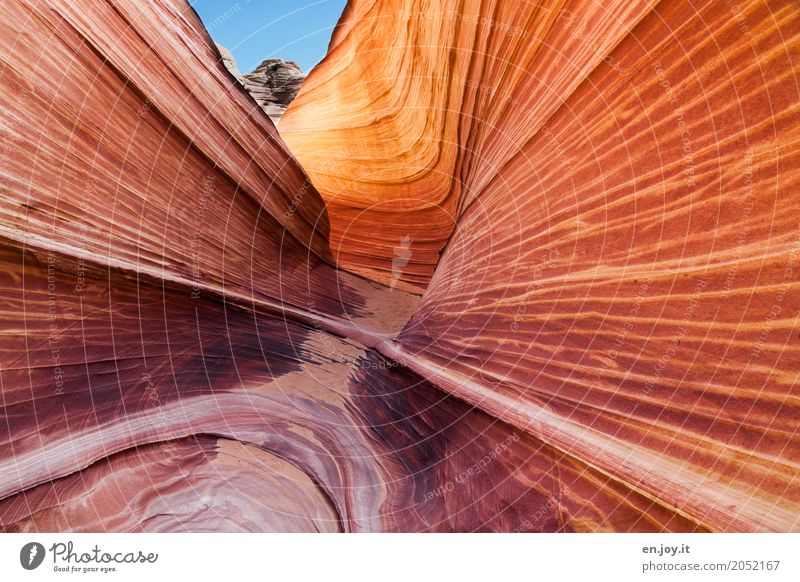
(591, 205)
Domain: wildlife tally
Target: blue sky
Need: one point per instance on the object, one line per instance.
(254, 30)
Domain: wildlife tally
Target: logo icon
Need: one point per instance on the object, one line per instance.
(31, 555)
(402, 255)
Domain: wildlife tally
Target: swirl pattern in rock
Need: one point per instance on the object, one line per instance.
(569, 298)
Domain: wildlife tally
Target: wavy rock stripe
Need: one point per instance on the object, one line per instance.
(168, 161)
(157, 239)
(608, 342)
(621, 279)
(390, 124)
(624, 284)
(103, 379)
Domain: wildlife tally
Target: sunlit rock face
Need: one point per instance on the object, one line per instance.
(230, 62)
(273, 84)
(609, 187)
(569, 299)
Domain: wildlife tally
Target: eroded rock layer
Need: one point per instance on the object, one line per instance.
(614, 184)
(594, 203)
(273, 84)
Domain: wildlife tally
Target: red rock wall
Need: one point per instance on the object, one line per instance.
(607, 343)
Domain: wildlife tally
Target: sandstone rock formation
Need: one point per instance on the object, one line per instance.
(273, 84)
(526, 268)
(230, 62)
